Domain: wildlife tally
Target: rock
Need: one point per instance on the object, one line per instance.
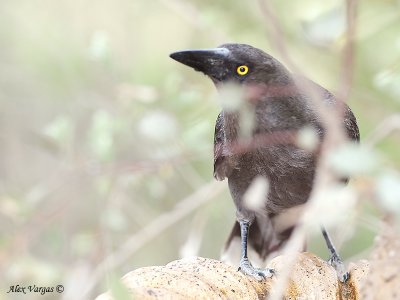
(203, 278)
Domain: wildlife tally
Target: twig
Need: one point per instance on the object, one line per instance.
(191, 15)
(150, 231)
(385, 128)
(334, 133)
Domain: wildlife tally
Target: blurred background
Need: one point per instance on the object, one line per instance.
(106, 142)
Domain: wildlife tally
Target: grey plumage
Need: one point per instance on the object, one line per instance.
(281, 108)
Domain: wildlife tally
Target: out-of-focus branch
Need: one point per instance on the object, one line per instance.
(189, 12)
(385, 128)
(153, 229)
(275, 31)
(348, 51)
(331, 121)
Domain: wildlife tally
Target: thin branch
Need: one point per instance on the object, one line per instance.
(150, 231)
(385, 128)
(332, 123)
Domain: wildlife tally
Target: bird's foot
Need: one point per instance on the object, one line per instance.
(247, 268)
(340, 268)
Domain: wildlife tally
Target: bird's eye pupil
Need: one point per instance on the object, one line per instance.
(242, 70)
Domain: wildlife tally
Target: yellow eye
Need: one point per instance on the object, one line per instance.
(242, 70)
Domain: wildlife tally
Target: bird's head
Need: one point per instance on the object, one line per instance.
(237, 63)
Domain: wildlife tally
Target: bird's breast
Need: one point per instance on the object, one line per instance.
(289, 171)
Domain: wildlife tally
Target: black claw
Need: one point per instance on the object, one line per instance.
(261, 274)
(345, 277)
(272, 271)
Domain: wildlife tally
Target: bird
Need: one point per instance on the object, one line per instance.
(280, 108)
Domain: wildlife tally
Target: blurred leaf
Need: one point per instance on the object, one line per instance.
(326, 28)
(143, 93)
(29, 268)
(101, 135)
(334, 205)
(246, 121)
(60, 129)
(10, 207)
(114, 219)
(36, 194)
(388, 81)
(99, 46)
(118, 290)
(353, 159)
(255, 196)
(102, 185)
(196, 137)
(231, 97)
(388, 191)
(157, 188)
(158, 126)
(307, 138)
(83, 244)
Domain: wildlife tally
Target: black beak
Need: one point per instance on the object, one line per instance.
(209, 61)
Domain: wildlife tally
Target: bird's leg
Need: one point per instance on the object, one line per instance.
(335, 260)
(245, 265)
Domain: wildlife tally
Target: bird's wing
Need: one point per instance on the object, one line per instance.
(349, 120)
(350, 124)
(222, 168)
